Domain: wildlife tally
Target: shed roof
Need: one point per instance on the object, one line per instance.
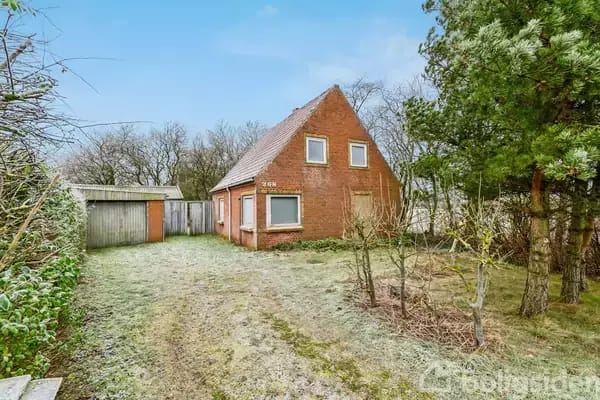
(128, 192)
(270, 145)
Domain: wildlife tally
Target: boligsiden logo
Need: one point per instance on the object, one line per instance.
(443, 377)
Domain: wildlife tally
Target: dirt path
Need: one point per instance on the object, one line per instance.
(196, 318)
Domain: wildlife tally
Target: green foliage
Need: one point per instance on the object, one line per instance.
(519, 88)
(346, 369)
(37, 288)
(34, 298)
(319, 245)
(336, 244)
(14, 5)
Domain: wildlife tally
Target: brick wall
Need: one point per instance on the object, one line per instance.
(326, 189)
(238, 235)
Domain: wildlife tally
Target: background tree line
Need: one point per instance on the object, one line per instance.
(169, 155)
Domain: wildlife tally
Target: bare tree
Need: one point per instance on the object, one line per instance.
(104, 159)
(164, 152)
(163, 156)
(401, 243)
(362, 227)
(201, 170)
(476, 235)
(28, 86)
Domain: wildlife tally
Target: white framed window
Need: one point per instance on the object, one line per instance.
(283, 210)
(221, 216)
(316, 150)
(358, 154)
(248, 211)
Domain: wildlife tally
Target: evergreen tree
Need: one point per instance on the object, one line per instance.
(519, 102)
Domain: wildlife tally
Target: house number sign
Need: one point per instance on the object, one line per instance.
(269, 184)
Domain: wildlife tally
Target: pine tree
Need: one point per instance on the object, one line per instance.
(519, 98)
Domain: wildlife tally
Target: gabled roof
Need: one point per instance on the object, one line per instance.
(270, 145)
(128, 192)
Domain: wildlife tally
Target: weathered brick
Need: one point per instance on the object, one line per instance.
(325, 189)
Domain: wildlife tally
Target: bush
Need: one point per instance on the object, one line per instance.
(332, 244)
(37, 284)
(30, 305)
(319, 245)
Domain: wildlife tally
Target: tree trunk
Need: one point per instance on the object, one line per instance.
(477, 306)
(588, 234)
(434, 206)
(535, 297)
(571, 277)
(369, 275)
(558, 239)
(403, 282)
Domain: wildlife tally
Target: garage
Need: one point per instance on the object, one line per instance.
(116, 223)
(125, 215)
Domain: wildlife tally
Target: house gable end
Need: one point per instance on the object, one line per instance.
(334, 107)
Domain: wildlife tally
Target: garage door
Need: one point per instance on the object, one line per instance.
(115, 223)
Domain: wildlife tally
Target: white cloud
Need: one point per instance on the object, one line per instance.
(268, 11)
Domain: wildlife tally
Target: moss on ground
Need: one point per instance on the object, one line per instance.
(345, 369)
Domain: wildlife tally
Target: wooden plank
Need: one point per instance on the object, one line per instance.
(195, 216)
(42, 389)
(115, 223)
(201, 217)
(13, 388)
(176, 217)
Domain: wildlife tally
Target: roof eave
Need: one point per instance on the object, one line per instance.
(231, 185)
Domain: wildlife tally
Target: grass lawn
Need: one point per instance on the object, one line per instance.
(197, 318)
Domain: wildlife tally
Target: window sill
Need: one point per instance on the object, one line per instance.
(221, 222)
(315, 164)
(247, 228)
(289, 228)
(359, 167)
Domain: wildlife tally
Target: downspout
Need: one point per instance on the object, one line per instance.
(229, 209)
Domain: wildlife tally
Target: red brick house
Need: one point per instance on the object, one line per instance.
(297, 179)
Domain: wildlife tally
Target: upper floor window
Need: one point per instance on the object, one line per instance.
(358, 155)
(316, 150)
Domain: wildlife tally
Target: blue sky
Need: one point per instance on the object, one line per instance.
(197, 62)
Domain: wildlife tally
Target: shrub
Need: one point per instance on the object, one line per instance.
(30, 305)
(37, 284)
(319, 245)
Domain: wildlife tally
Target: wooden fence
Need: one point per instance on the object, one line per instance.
(189, 217)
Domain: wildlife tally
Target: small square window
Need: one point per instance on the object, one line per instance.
(316, 150)
(358, 154)
(248, 211)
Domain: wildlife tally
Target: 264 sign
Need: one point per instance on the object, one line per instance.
(269, 184)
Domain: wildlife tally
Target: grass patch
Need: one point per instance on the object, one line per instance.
(218, 394)
(566, 337)
(345, 369)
